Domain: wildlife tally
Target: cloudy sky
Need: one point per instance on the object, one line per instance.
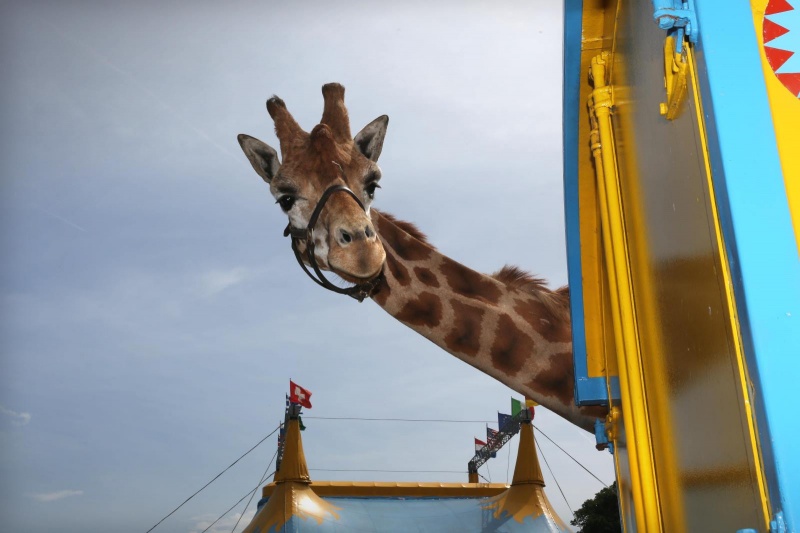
(152, 313)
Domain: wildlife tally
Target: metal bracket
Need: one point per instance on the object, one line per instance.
(601, 437)
(677, 15)
(778, 524)
(675, 72)
(294, 411)
(680, 21)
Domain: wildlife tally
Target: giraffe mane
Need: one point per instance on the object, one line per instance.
(407, 227)
(555, 301)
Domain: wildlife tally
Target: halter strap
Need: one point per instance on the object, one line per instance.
(360, 291)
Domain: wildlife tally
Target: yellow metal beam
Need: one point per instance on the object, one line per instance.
(744, 378)
(634, 398)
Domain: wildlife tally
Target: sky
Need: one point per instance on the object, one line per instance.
(152, 313)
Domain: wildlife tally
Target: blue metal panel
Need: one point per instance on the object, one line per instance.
(588, 391)
(758, 234)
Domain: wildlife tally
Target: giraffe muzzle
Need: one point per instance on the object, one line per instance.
(359, 291)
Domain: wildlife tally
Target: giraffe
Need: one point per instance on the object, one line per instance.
(508, 325)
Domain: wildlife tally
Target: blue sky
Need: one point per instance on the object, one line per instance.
(152, 313)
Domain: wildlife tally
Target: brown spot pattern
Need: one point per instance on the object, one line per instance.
(511, 347)
(405, 246)
(469, 283)
(465, 336)
(381, 293)
(553, 329)
(426, 276)
(398, 271)
(425, 310)
(557, 381)
(410, 249)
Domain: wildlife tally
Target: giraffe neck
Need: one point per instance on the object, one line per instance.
(517, 333)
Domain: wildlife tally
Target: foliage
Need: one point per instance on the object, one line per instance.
(599, 514)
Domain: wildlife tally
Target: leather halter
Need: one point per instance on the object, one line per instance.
(360, 291)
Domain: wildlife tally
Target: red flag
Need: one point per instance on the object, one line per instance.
(298, 394)
(479, 444)
(530, 404)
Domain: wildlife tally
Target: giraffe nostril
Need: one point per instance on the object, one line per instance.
(369, 233)
(344, 237)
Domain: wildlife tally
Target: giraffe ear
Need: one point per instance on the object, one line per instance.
(370, 140)
(262, 156)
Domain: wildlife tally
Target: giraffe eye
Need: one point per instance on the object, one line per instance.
(286, 203)
(370, 189)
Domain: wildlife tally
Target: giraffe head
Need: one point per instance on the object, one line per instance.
(345, 241)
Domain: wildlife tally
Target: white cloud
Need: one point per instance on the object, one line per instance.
(18, 419)
(215, 281)
(224, 525)
(57, 495)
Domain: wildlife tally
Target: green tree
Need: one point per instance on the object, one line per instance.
(599, 514)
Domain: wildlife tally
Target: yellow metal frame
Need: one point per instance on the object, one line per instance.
(744, 377)
(623, 333)
(634, 397)
(645, 489)
(598, 28)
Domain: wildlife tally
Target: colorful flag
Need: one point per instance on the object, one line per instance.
(516, 406)
(530, 404)
(298, 394)
(479, 444)
(506, 423)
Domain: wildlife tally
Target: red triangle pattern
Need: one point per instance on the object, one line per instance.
(773, 30)
(791, 81)
(777, 6)
(777, 56)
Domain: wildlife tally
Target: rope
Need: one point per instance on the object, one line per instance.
(253, 492)
(508, 466)
(450, 421)
(378, 470)
(399, 419)
(243, 497)
(568, 455)
(508, 462)
(554, 478)
(213, 480)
